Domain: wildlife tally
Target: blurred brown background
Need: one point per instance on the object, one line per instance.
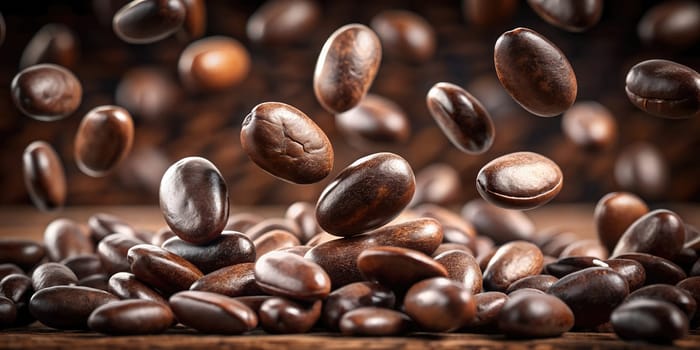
(209, 125)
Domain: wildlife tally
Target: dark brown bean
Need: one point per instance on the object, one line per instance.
(17, 287)
(212, 313)
(690, 285)
(126, 286)
(483, 13)
(649, 320)
(671, 24)
(499, 224)
(103, 140)
(405, 35)
(346, 67)
(233, 281)
(376, 121)
(304, 215)
(664, 88)
(292, 276)
(339, 257)
(674, 295)
(148, 21)
(554, 240)
(354, 296)
(574, 16)
(286, 143)
(195, 18)
(539, 282)
(461, 117)
(535, 316)
(230, 248)
(462, 267)
(274, 240)
(9, 269)
(131, 317)
(535, 72)
(440, 304)
(53, 43)
(488, 307)
(590, 126)
(8, 312)
(632, 271)
(67, 307)
(44, 176)
(660, 232)
(162, 269)
(23, 253)
(591, 294)
(64, 238)
(437, 183)
(214, 63)
(52, 274)
(85, 265)
(642, 169)
(46, 92)
(98, 281)
(279, 22)
(113, 251)
(614, 213)
(397, 268)
(194, 200)
(284, 316)
(374, 321)
(567, 265)
(367, 194)
(657, 269)
(511, 262)
(102, 225)
(521, 180)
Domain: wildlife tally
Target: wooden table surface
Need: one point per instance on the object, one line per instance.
(26, 222)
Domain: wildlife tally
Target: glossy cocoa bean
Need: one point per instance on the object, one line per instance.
(354, 296)
(339, 257)
(461, 117)
(230, 248)
(212, 313)
(233, 281)
(162, 269)
(510, 263)
(44, 176)
(367, 194)
(46, 92)
(194, 200)
(292, 276)
(67, 307)
(286, 143)
(614, 213)
(284, 316)
(131, 317)
(439, 304)
(126, 286)
(148, 21)
(591, 294)
(535, 72)
(521, 180)
(103, 140)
